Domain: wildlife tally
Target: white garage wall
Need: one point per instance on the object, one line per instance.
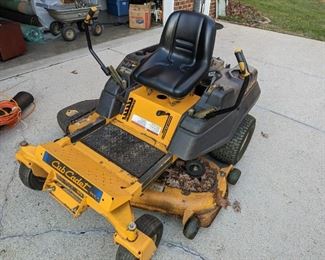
(168, 6)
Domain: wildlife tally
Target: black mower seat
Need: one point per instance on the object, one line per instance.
(183, 56)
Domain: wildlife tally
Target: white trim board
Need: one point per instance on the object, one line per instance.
(168, 8)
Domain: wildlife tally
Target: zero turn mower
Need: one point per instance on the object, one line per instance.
(167, 116)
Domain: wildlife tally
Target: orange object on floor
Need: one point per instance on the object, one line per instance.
(10, 113)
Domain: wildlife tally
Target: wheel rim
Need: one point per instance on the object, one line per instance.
(69, 34)
(98, 29)
(195, 169)
(56, 28)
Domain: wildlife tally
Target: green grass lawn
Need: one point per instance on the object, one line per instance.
(299, 17)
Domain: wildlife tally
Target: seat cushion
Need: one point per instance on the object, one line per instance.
(170, 79)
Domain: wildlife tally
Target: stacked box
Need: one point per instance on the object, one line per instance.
(140, 16)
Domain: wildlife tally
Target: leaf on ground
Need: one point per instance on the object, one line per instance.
(264, 135)
(236, 206)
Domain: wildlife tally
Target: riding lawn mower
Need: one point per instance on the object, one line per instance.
(165, 134)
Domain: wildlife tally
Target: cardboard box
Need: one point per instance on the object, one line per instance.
(140, 16)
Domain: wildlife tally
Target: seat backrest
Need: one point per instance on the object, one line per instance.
(188, 37)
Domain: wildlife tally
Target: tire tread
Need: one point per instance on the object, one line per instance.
(228, 153)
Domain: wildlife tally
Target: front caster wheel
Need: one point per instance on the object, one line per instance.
(151, 226)
(233, 176)
(29, 179)
(191, 227)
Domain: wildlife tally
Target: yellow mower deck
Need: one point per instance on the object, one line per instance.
(204, 205)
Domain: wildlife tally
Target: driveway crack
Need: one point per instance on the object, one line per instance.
(68, 232)
(5, 202)
(186, 250)
(291, 119)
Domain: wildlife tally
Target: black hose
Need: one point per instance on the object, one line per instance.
(23, 99)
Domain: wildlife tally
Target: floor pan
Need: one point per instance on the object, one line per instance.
(127, 151)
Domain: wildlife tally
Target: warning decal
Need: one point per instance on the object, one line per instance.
(149, 126)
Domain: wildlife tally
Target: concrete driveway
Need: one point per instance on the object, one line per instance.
(281, 191)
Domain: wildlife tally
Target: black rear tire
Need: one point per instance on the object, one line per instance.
(233, 151)
(191, 227)
(29, 179)
(151, 226)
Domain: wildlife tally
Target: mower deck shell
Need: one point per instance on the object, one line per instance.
(204, 205)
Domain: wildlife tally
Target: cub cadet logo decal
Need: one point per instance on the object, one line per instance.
(70, 175)
(73, 177)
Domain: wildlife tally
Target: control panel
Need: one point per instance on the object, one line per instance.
(132, 61)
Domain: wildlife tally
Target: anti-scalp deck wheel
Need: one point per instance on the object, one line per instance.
(234, 150)
(29, 179)
(233, 176)
(191, 227)
(148, 224)
(194, 168)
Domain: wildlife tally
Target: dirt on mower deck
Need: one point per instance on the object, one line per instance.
(177, 177)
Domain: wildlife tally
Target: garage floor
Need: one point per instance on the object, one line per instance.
(281, 192)
(55, 45)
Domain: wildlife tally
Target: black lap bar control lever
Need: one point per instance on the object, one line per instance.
(244, 73)
(87, 22)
